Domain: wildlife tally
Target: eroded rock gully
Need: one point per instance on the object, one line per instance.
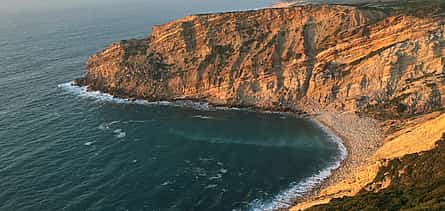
(374, 60)
(298, 58)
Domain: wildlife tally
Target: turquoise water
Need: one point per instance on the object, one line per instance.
(64, 149)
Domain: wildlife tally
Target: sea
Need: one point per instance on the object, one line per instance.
(64, 148)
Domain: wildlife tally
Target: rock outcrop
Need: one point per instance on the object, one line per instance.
(384, 59)
(298, 58)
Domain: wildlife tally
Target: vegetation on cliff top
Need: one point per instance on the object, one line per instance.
(417, 182)
(410, 7)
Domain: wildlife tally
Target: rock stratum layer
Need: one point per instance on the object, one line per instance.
(326, 56)
(384, 59)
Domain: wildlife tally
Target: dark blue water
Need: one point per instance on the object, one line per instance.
(62, 149)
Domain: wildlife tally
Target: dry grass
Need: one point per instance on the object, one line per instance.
(420, 134)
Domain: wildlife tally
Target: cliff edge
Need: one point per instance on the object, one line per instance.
(381, 59)
(325, 56)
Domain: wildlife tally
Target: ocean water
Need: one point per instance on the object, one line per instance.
(62, 148)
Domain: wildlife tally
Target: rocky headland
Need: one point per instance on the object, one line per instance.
(373, 72)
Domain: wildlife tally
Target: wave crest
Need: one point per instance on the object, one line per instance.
(282, 200)
(285, 198)
(98, 96)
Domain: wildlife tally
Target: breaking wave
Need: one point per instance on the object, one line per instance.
(98, 96)
(282, 200)
(286, 198)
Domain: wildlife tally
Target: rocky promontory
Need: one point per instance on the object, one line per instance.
(329, 56)
(381, 59)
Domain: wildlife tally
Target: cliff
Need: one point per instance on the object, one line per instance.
(382, 59)
(324, 56)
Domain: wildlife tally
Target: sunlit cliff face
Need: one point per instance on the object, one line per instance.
(334, 57)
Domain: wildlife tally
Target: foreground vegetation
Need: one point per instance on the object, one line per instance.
(416, 182)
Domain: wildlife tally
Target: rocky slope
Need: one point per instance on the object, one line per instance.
(325, 56)
(414, 182)
(384, 59)
(417, 134)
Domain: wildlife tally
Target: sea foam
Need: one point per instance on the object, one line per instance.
(282, 200)
(98, 96)
(202, 117)
(82, 91)
(285, 198)
(119, 133)
(88, 143)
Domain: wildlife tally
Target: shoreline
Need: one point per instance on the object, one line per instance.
(286, 199)
(362, 138)
(336, 172)
(416, 135)
(340, 164)
(324, 120)
(343, 142)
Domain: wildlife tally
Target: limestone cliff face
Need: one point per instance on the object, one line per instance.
(305, 57)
